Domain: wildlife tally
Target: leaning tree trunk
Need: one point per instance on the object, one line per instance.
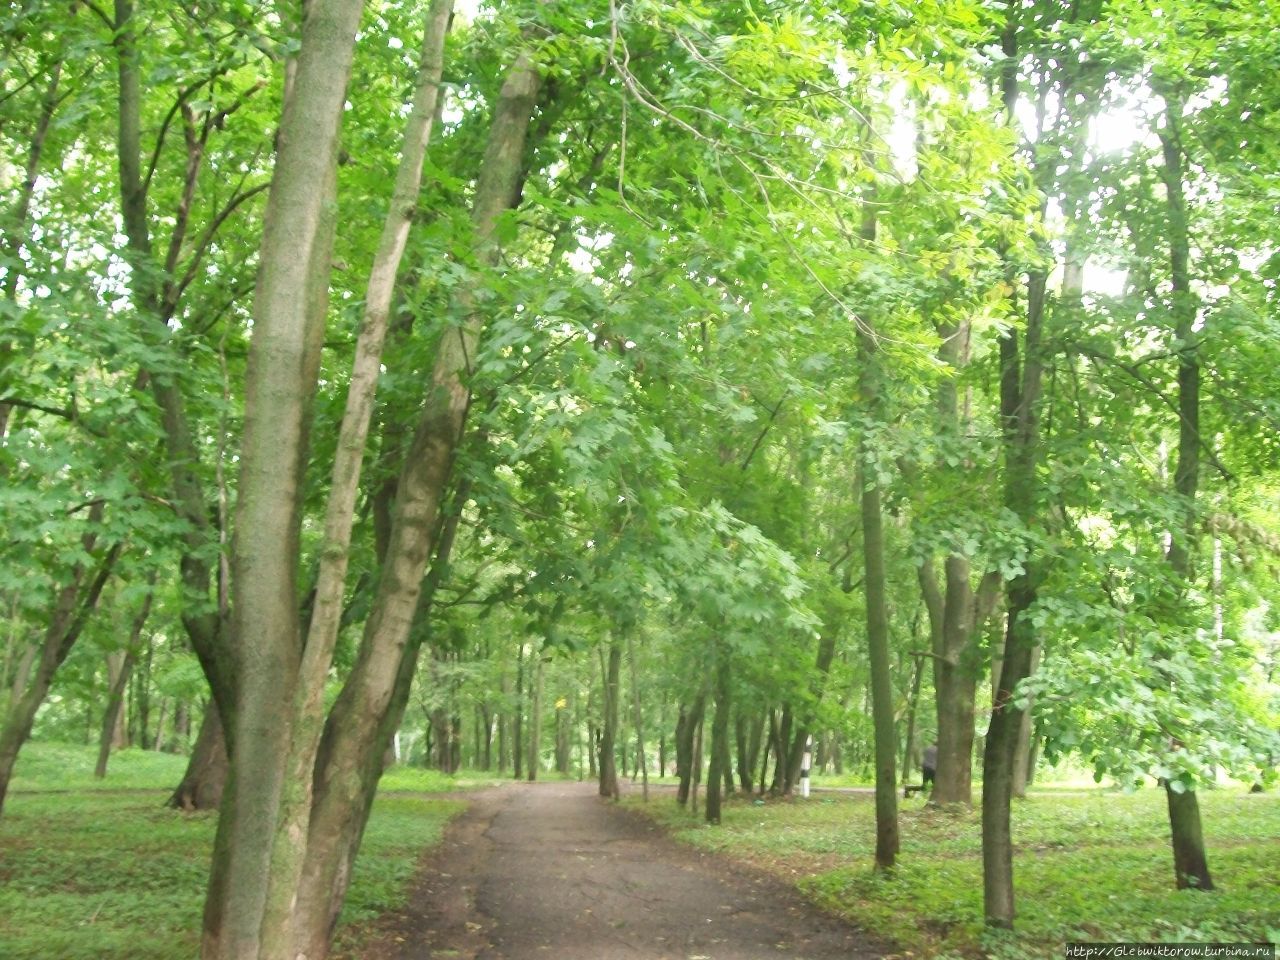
(72, 609)
(119, 667)
(355, 725)
(1190, 862)
(283, 362)
(290, 844)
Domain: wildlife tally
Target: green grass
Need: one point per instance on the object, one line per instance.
(103, 871)
(1091, 865)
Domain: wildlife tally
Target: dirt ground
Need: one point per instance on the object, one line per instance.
(550, 870)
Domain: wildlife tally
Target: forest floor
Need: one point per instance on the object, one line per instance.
(551, 870)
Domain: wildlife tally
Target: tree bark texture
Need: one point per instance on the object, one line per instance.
(280, 382)
(327, 609)
(354, 728)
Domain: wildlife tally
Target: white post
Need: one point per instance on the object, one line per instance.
(804, 766)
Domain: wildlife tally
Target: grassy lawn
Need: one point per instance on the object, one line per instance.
(102, 870)
(1092, 865)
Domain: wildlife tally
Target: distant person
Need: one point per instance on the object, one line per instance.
(929, 765)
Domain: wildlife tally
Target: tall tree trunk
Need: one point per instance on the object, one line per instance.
(156, 302)
(1190, 861)
(956, 611)
(535, 718)
(609, 725)
(517, 722)
(719, 736)
(326, 616)
(1020, 388)
(882, 707)
(686, 729)
(292, 287)
(909, 746)
(638, 715)
(338, 828)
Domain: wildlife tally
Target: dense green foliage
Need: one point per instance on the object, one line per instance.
(760, 259)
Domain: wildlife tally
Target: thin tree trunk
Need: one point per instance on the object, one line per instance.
(697, 764)
(1190, 861)
(535, 719)
(909, 746)
(638, 715)
(609, 732)
(1020, 388)
(719, 736)
(882, 709)
(119, 667)
(517, 723)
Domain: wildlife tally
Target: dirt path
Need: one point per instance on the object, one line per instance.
(551, 871)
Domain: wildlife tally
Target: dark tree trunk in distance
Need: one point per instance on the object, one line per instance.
(202, 785)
